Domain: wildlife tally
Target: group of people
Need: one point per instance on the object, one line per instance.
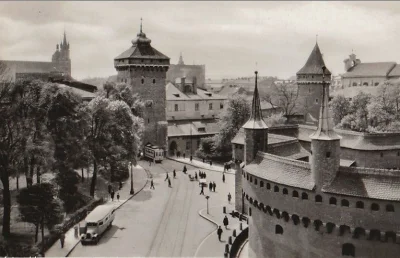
(212, 186)
(202, 175)
(111, 191)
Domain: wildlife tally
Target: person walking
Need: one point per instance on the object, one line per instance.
(62, 239)
(223, 177)
(195, 176)
(169, 182)
(202, 190)
(229, 197)
(174, 173)
(226, 222)
(191, 158)
(219, 232)
(118, 196)
(184, 155)
(214, 185)
(210, 186)
(184, 169)
(152, 184)
(166, 177)
(112, 195)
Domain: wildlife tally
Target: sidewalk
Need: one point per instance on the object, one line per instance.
(139, 182)
(200, 164)
(211, 246)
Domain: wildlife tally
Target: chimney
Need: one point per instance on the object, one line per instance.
(183, 84)
(194, 85)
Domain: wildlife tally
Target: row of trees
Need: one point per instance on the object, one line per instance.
(367, 113)
(46, 127)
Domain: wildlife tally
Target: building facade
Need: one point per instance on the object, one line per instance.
(318, 208)
(144, 69)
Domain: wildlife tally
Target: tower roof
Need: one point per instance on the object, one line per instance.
(314, 63)
(325, 125)
(255, 121)
(180, 62)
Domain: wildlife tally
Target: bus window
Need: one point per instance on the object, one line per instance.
(101, 223)
(91, 224)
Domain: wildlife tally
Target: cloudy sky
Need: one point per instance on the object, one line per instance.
(228, 37)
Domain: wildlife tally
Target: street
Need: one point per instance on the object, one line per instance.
(165, 221)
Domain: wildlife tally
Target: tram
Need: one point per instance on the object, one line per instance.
(153, 152)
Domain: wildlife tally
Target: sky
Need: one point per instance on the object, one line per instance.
(231, 38)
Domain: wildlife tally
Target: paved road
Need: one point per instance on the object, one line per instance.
(162, 222)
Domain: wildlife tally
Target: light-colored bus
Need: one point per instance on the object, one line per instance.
(153, 152)
(98, 221)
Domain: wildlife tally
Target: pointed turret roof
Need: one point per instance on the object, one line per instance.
(180, 62)
(325, 127)
(314, 63)
(255, 121)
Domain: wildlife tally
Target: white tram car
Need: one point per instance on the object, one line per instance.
(153, 152)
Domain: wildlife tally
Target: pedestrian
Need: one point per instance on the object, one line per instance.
(191, 158)
(184, 155)
(214, 185)
(118, 196)
(62, 239)
(219, 232)
(166, 177)
(226, 222)
(169, 182)
(112, 195)
(223, 177)
(195, 176)
(210, 186)
(174, 173)
(120, 185)
(184, 169)
(152, 184)
(202, 190)
(205, 175)
(229, 197)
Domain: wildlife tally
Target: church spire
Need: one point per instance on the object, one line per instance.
(181, 60)
(65, 39)
(141, 25)
(256, 121)
(325, 126)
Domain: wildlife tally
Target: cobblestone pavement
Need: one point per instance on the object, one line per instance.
(165, 221)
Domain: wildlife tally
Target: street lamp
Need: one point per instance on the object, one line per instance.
(132, 191)
(207, 197)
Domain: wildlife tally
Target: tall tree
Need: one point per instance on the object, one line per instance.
(340, 107)
(285, 97)
(357, 119)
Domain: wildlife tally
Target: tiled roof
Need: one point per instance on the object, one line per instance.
(395, 71)
(191, 128)
(173, 93)
(281, 170)
(272, 138)
(314, 63)
(377, 69)
(369, 183)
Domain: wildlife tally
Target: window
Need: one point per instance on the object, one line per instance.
(389, 208)
(354, 84)
(196, 107)
(332, 200)
(251, 179)
(210, 107)
(328, 154)
(348, 250)
(365, 84)
(176, 107)
(316, 101)
(345, 203)
(318, 198)
(295, 194)
(142, 81)
(255, 181)
(276, 189)
(261, 183)
(268, 186)
(304, 196)
(247, 177)
(285, 191)
(101, 223)
(375, 207)
(188, 145)
(221, 105)
(154, 81)
(330, 227)
(295, 219)
(360, 205)
(278, 230)
(249, 211)
(376, 83)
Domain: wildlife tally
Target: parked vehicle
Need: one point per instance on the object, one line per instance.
(97, 222)
(153, 152)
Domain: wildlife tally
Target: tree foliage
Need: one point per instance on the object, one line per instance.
(340, 107)
(285, 97)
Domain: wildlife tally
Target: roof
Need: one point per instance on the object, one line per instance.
(272, 138)
(99, 213)
(28, 66)
(192, 128)
(346, 162)
(380, 184)
(351, 92)
(82, 93)
(314, 63)
(281, 170)
(173, 93)
(395, 71)
(377, 69)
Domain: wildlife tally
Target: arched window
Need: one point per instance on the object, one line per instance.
(358, 232)
(261, 183)
(330, 227)
(247, 177)
(375, 207)
(318, 198)
(389, 208)
(295, 194)
(374, 234)
(255, 181)
(285, 216)
(295, 219)
(390, 235)
(268, 186)
(306, 222)
(332, 200)
(360, 205)
(317, 224)
(276, 189)
(343, 229)
(376, 83)
(278, 230)
(142, 81)
(354, 84)
(345, 203)
(348, 250)
(304, 196)
(285, 191)
(365, 84)
(277, 214)
(154, 81)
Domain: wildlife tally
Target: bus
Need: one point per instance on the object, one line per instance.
(153, 152)
(97, 222)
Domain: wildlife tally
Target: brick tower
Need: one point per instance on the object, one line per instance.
(309, 80)
(144, 69)
(61, 58)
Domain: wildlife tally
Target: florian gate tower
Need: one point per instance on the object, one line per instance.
(144, 69)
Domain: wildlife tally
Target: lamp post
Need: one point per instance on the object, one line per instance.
(207, 197)
(132, 191)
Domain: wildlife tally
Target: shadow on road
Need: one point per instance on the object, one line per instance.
(109, 234)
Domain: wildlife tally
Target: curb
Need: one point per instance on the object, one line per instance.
(130, 197)
(191, 164)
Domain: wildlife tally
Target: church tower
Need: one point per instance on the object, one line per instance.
(309, 80)
(144, 69)
(255, 129)
(325, 143)
(61, 58)
(180, 62)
